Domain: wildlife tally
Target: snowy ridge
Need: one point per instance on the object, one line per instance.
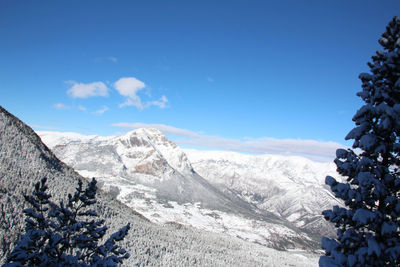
(134, 170)
(24, 159)
(290, 187)
(169, 150)
(151, 174)
(54, 138)
(137, 147)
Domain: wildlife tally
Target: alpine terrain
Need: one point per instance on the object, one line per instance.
(24, 160)
(291, 187)
(274, 201)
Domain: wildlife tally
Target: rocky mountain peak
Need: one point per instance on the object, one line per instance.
(157, 145)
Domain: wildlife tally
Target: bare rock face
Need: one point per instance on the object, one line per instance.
(150, 168)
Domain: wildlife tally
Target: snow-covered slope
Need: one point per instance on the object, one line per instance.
(153, 176)
(24, 160)
(291, 187)
(144, 157)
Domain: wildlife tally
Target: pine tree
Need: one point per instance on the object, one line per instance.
(66, 234)
(368, 225)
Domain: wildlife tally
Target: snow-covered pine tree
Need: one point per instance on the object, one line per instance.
(66, 234)
(368, 225)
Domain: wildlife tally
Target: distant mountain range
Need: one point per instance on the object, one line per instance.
(292, 188)
(272, 200)
(140, 169)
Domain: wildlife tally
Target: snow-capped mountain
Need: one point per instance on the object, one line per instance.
(151, 174)
(293, 188)
(142, 157)
(24, 160)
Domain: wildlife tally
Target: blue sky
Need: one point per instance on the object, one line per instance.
(251, 76)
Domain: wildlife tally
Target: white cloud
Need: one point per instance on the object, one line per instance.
(316, 150)
(81, 108)
(308, 148)
(209, 79)
(60, 106)
(161, 103)
(166, 129)
(85, 90)
(110, 58)
(129, 87)
(101, 111)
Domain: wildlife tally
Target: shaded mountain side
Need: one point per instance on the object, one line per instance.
(24, 159)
